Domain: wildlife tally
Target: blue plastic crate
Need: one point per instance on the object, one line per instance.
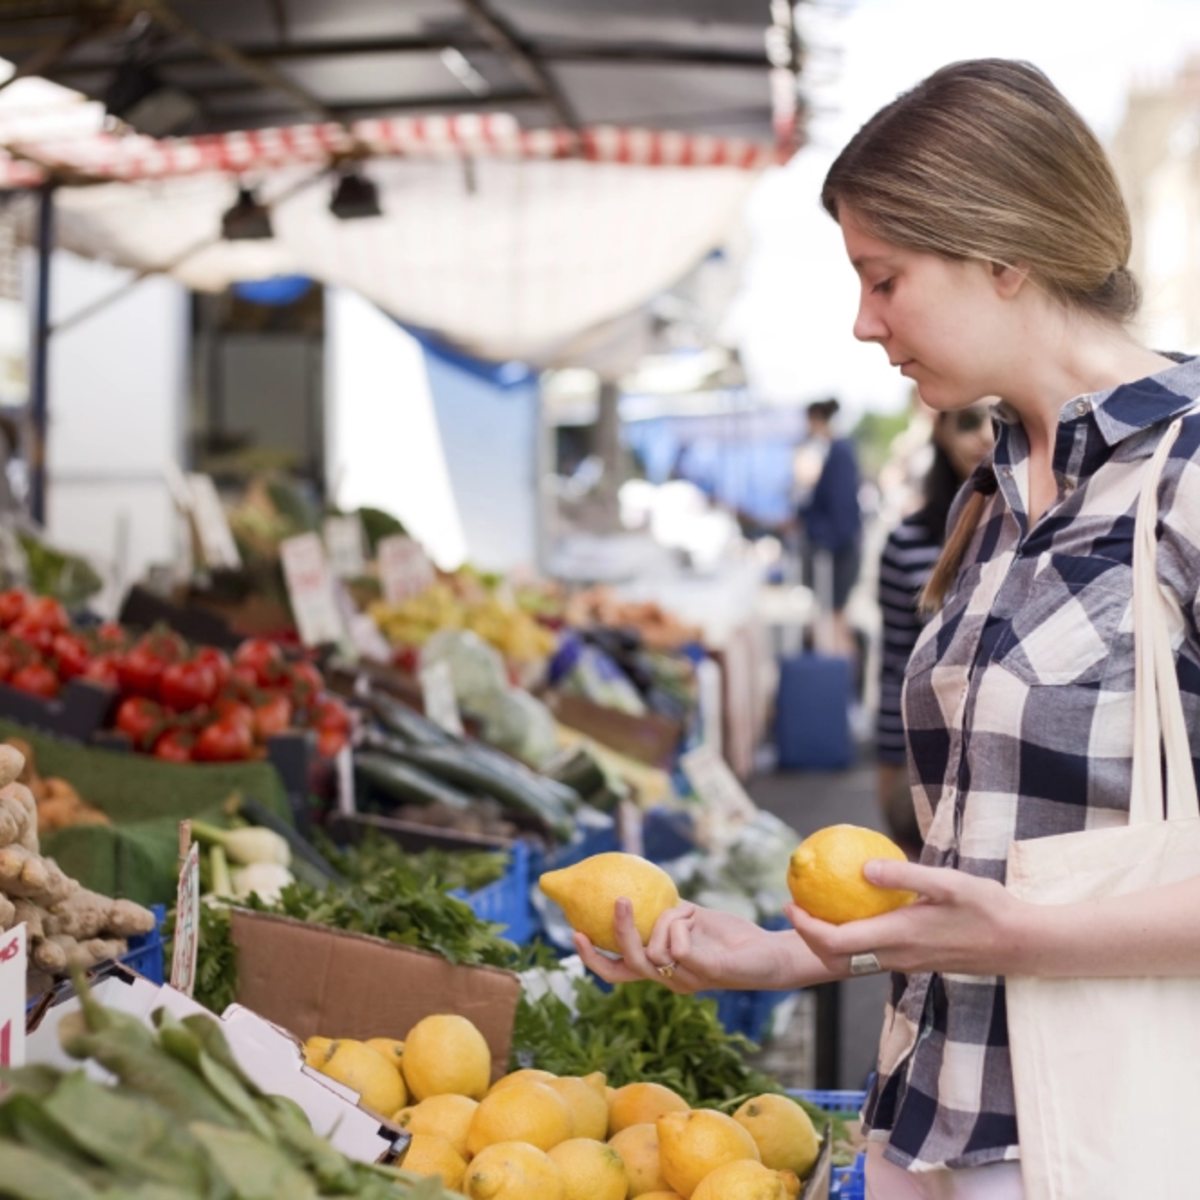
(846, 1183)
(506, 902)
(594, 841)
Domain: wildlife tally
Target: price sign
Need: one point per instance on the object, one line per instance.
(441, 704)
(404, 569)
(187, 919)
(344, 545)
(212, 525)
(727, 805)
(13, 965)
(310, 589)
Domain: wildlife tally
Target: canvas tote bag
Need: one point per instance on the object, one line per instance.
(1107, 1071)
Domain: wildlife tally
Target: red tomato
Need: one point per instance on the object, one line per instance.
(32, 634)
(307, 681)
(187, 685)
(217, 661)
(140, 671)
(103, 670)
(244, 677)
(37, 679)
(331, 713)
(142, 720)
(175, 746)
(12, 606)
(72, 654)
(272, 716)
(264, 657)
(330, 741)
(235, 710)
(44, 612)
(225, 740)
(111, 634)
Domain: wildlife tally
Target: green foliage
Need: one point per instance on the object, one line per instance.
(874, 435)
(471, 869)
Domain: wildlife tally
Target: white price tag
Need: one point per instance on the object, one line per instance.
(212, 524)
(310, 589)
(441, 704)
(13, 966)
(726, 802)
(404, 569)
(344, 545)
(187, 923)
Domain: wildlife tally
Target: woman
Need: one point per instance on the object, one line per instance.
(991, 241)
(960, 442)
(832, 525)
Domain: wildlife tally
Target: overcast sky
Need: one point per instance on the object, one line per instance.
(794, 315)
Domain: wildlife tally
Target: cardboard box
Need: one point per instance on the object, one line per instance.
(650, 739)
(270, 1057)
(313, 980)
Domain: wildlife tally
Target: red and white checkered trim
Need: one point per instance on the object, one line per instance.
(494, 135)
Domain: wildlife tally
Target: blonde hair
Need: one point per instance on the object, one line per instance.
(987, 160)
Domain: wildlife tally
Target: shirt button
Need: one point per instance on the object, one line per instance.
(1081, 408)
(1006, 472)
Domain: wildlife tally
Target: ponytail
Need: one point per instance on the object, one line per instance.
(945, 570)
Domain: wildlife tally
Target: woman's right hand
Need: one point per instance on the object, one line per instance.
(705, 949)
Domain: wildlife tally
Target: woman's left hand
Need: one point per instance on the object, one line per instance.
(960, 923)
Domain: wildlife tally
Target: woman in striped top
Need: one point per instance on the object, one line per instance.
(961, 441)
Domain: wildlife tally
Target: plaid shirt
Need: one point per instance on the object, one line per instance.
(1018, 703)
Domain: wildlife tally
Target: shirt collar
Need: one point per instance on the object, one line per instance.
(1129, 408)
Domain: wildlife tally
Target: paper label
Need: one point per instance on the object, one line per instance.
(727, 805)
(310, 589)
(212, 524)
(343, 766)
(187, 923)
(13, 966)
(441, 704)
(404, 569)
(344, 545)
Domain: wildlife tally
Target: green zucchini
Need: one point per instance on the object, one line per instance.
(405, 722)
(407, 783)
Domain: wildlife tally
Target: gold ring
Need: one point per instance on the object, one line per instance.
(669, 970)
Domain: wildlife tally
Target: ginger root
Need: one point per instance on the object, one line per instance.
(8, 914)
(12, 763)
(18, 817)
(30, 877)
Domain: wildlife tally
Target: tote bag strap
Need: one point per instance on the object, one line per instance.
(1158, 709)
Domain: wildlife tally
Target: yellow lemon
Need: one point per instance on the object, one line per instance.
(430, 1155)
(447, 1116)
(391, 1049)
(444, 1054)
(527, 1111)
(598, 1082)
(516, 1077)
(641, 1104)
(638, 1148)
(826, 880)
(588, 892)
(741, 1181)
(316, 1051)
(589, 1112)
(514, 1171)
(660, 1196)
(378, 1084)
(591, 1170)
(782, 1131)
(694, 1144)
(792, 1183)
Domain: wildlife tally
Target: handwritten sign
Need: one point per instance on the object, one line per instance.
(344, 545)
(13, 964)
(726, 803)
(441, 704)
(404, 569)
(311, 591)
(187, 922)
(211, 523)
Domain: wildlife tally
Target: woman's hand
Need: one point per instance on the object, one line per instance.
(704, 949)
(960, 923)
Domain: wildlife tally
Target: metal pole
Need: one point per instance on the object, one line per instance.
(39, 383)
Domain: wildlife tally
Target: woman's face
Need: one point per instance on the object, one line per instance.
(942, 322)
(966, 436)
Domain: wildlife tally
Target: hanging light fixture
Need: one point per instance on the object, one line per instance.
(355, 196)
(247, 220)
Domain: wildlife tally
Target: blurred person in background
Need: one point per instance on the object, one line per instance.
(831, 523)
(960, 442)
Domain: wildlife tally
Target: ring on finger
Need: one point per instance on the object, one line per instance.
(864, 964)
(668, 970)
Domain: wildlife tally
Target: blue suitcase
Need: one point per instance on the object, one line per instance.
(812, 713)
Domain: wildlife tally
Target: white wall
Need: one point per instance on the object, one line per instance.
(117, 407)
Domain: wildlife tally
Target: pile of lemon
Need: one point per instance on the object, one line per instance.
(537, 1136)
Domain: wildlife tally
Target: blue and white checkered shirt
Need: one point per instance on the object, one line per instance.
(1018, 706)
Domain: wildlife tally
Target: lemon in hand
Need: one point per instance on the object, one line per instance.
(826, 880)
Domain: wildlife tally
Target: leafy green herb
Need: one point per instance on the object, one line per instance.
(470, 870)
